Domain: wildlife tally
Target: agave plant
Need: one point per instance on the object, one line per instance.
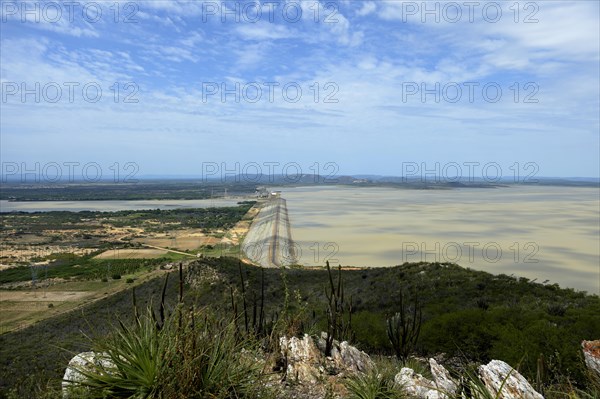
(133, 361)
(372, 385)
(191, 355)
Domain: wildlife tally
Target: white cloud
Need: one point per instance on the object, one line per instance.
(176, 54)
(173, 7)
(263, 31)
(566, 31)
(368, 7)
(344, 33)
(55, 18)
(251, 55)
(193, 38)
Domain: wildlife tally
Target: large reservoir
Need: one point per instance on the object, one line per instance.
(551, 234)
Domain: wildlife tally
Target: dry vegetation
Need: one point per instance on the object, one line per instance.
(52, 262)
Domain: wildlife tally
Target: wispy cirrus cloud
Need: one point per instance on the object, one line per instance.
(362, 54)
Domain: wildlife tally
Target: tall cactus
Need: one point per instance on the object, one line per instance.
(404, 327)
(337, 326)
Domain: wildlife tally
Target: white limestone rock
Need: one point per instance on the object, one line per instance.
(591, 353)
(417, 386)
(497, 374)
(84, 361)
(303, 358)
(442, 379)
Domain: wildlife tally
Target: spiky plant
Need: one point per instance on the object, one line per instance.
(133, 363)
(372, 385)
(184, 354)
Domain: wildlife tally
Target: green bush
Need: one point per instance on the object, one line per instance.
(370, 331)
(116, 276)
(130, 280)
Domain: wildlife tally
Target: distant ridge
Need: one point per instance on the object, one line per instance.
(358, 179)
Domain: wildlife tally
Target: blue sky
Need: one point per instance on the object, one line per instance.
(368, 60)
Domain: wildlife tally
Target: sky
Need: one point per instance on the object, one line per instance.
(345, 87)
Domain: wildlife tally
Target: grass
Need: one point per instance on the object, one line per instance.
(42, 351)
(82, 268)
(32, 306)
(220, 250)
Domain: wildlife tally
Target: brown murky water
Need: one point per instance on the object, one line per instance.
(543, 233)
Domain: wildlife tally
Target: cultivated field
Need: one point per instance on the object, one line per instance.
(127, 253)
(53, 262)
(22, 307)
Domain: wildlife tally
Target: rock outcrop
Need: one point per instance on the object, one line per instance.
(442, 378)
(345, 357)
(591, 353)
(499, 376)
(85, 361)
(416, 385)
(306, 361)
(302, 358)
(442, 387)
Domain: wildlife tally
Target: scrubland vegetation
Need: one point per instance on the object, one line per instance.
(153, 220)
(127, 190)
(69, 241)
(468, 316)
